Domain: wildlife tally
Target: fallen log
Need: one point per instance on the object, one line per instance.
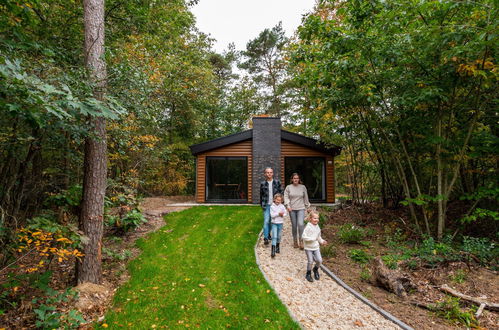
(478, 301)
(392, 280)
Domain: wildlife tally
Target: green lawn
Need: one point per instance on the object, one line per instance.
(199, 270)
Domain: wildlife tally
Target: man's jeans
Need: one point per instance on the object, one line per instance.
(267, 225)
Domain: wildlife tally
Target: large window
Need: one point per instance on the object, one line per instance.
(313, 173)
(226, 179)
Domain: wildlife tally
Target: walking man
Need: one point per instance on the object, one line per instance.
(268, 188)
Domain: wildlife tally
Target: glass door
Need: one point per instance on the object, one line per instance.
(227, 179)
(313, 174)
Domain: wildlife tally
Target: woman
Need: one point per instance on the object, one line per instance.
(296, 201)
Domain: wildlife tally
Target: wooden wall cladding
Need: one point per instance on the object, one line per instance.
(243, 148)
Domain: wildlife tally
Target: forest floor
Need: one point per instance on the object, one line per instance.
(382, 224)
(94, 299)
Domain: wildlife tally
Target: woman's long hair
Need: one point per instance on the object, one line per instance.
(293, 175)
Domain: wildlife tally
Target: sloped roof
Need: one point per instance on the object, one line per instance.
(247, 135)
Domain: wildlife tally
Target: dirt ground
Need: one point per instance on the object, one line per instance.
(479, 281)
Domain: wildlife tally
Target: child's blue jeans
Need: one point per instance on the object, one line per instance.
(276, 233)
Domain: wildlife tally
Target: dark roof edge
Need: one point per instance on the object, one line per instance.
(310, 143)
(221, 141)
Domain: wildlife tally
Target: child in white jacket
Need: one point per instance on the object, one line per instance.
(277, 213)
(312, 240)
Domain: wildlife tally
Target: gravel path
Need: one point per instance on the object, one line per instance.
(319, 305)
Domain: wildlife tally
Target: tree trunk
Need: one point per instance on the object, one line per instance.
(89, 268)
(441, 218)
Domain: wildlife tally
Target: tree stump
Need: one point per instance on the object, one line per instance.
(392, 280)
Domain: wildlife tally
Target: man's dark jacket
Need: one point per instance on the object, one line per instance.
(264, 191)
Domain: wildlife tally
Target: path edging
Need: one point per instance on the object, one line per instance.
(378, 309)
(266, 279)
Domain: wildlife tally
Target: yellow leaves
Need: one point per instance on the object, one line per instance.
(104, 325)
(201, 285)
(64, 239)
(474, 68)
(44, 244)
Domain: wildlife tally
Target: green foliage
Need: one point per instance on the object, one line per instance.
(121, 256)
(459, 277)
(351, 234)
(450, 310)
(130, 221)
(264, 60)
(432, 253)
(48, 315)
(70, 197)
(408, 95)
(48, 222)
(37, 101)
(480, 213)
(395, 239)
(484, 249)
(391, 261)
(365, 275)
(359, 256)
(328, 251)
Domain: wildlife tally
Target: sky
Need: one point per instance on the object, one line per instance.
(240, 21)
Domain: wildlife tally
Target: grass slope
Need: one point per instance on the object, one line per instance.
(199, 271)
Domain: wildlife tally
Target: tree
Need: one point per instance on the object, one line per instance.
(95, 163)
(265, 62)
(415, 80)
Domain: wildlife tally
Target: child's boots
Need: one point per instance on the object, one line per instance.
(316, 273)
(272, 253)
(278, 248)
(309, 276)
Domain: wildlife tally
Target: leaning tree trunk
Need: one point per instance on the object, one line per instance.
(89, 268)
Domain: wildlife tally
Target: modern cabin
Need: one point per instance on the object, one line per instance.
(229, 169)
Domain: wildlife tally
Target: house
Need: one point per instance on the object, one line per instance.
(229, 169)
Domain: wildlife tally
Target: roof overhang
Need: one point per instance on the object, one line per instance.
(310, 143)
(221, 142)
(247, 135)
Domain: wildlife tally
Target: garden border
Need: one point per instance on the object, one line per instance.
(378, 309)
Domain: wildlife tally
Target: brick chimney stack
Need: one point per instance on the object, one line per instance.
(266, 150)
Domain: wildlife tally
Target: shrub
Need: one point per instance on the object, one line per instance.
(391, 261)
(484, 249)
(459, 276)
(130, 221)
(328, 251)
(351, 234)
(359, 256)
(48, 315)
(125, 254)
(433, 253)
(47, 222)
(450, 310)
(365, 275)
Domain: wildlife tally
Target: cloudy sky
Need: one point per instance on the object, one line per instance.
(239, 21)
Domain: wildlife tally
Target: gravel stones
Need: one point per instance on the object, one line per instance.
(322, 304)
